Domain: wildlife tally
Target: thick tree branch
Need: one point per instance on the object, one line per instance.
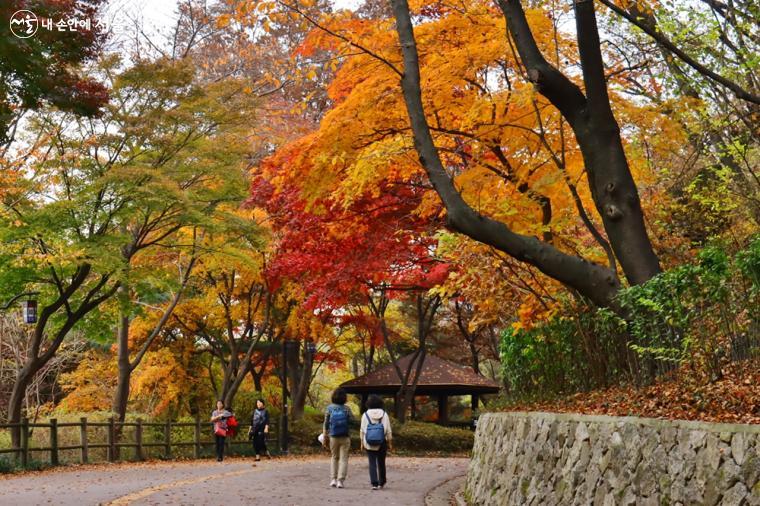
(551, 83)
(596, 282)
(164, 317)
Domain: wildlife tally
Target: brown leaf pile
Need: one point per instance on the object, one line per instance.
(735, 398)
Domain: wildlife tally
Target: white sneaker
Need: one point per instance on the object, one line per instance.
(340, 484)
(374, 487)
(334, 483)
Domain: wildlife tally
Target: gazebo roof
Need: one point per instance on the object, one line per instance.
(438, 376)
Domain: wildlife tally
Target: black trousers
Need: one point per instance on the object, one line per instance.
(219, 447)
(377, 465)
(260, 443)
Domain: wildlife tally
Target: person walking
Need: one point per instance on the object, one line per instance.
(336, 437)
(260, 429)
(219, 417)
(376, 438)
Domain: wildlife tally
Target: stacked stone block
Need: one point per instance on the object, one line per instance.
(553, 459)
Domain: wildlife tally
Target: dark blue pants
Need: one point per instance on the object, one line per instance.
(377, 465)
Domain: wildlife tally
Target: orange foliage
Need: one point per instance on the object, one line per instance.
(90, 386)
(733, 399)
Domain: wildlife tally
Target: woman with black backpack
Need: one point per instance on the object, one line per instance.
(376, 438)
(335, 436)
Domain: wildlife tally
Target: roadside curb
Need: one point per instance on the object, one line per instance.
(447, 493)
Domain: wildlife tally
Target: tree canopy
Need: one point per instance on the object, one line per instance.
(561, 197)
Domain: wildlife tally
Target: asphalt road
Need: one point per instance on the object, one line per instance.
(291, 481)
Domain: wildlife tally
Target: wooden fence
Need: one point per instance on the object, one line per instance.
(113, 442)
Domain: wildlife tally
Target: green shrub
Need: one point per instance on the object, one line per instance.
(416, 438)
(304, 432)
(411, 438)
(7, 463)
(544, 358)
(699, 314)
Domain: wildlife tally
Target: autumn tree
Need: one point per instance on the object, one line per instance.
(597, 132)
(61, 240)
(172, 126)
(45, 69)
(700, 55)
(314, 342)
(229, 309)
(363, 254)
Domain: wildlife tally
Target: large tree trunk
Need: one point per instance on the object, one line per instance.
(121, 395)
(38, 356)
(303, 383)
(612, 187)
(409, 386)
(16, 403)
(126, 365)
(425, 315)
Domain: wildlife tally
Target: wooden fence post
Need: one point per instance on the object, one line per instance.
(24, 442)
(168, 440)
(83, 439)
(139, 440)
(110, 433)
(197, 437)
(53, 442)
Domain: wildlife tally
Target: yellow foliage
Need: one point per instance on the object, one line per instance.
(91, 385)
(159, 381)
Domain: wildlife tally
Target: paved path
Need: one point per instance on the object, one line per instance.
(292, 481)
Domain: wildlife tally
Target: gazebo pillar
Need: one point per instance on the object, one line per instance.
(475, 400)
(443, 409)
(414, 407)
(363, 405)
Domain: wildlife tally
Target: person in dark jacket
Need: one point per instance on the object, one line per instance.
(260, 429)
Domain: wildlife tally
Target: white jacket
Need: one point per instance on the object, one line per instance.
(375, 415)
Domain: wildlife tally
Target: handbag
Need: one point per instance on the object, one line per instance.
(219, 430)
(232, 425)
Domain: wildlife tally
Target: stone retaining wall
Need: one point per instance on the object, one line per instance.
(543, 458)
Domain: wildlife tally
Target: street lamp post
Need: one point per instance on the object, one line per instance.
(28, 307)
(284, 409)
(284, 435)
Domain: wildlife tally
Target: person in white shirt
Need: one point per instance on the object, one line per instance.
(376, 428)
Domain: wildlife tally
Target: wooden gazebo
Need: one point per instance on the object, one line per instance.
(438, 378)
